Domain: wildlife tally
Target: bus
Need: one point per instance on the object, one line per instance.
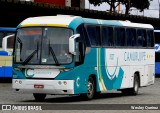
(6, 34)
(72, 55)
(157, 52)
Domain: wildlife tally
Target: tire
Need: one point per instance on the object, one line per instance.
(39, 97)
(136, 85)
(91, 89)
(134, 90)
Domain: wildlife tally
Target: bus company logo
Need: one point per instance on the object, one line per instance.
(37, 72)
(111, 59)
(29, 72)
(112, 72)
(157, 47)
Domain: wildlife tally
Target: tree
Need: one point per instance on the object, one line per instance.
(113, 3)
(139, 4)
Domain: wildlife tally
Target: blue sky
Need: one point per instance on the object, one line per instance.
(153, 10)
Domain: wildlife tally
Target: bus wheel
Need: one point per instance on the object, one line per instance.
(91, 89)
(39, 97)
(136, 85)
(134, 90)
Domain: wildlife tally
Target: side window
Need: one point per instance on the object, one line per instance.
(93, 35)
(1, 36)
(120, 36)
(141, 38)
(9, 33)
(150, 38)
(131, 37)
(10, 42)
(83, 35)
(79, 30)
(82, 43)
(107, 36)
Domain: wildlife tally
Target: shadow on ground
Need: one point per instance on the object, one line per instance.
(78, 98)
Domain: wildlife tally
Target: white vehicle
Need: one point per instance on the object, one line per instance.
(6, 56)
(74, 55)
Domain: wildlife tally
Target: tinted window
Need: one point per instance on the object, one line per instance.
(131, 37)
(150, 38)
(107, 36)
(141, 37)
(157, 37)
(83, 35)
(9, 33)
(120, 36)
(1, 36)
(10, 42)
(93, 34)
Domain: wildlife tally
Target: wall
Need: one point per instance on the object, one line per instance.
(56, 2)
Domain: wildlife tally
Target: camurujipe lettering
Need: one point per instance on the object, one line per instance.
(135, 56)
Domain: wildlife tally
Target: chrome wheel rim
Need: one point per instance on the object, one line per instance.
(90, 88)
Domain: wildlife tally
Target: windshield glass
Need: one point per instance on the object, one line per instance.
(43, 45)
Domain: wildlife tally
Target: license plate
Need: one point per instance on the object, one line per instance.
(39, 86)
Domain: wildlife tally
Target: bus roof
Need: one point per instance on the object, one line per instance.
(60, 20)
(74, 21)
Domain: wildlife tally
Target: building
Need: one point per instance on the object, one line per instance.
(69, 3)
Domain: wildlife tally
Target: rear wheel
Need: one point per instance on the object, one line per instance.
(135, 89)
(136, 85)
(39, 97)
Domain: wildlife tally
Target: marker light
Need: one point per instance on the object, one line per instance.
(65, 83)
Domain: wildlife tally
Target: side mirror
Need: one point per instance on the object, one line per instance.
(72, 45)
(4, 43)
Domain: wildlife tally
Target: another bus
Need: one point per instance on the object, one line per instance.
(157, 52)
(70, 55)
(6, 34)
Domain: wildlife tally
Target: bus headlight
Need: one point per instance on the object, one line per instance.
(16, 81)
(20, 82)
(59, 82)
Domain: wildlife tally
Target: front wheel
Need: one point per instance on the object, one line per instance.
(91, 89)
(39, 97)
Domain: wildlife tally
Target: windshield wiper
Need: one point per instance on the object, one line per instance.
(53, 54)
(29, 57)
(21, 44)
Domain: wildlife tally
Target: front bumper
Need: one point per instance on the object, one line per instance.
(50, 86)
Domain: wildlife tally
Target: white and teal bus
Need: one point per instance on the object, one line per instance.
(71, 55)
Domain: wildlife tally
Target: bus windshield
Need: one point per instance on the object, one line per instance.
(43, 45)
